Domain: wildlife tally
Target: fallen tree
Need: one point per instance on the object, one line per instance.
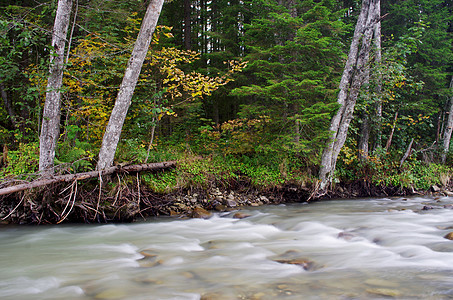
(86, 175)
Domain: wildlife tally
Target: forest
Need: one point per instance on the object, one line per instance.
(300, 98)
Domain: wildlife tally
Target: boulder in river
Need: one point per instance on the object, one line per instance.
(294, 257)
(345, 235)
(449, 236)
(202, 213)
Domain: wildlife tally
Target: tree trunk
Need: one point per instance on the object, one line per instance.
(364, 137)
(448, 127)
(123, 100)
(378, 80)
(188, 24)
(86, 175)
(50, 129)
(351, 81)
(389, 141)
(8, 106)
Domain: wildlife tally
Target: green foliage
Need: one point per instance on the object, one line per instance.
(22, 161)
(74, 155)
(162, 182)
(384, 169)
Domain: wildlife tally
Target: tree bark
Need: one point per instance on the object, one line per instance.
(8, 106)
(123, 100)
(389, 141)
(188, 24)
(448, 127)
(86, 175)
(378, 80)
(50, 129)
(351, 81)
(364, 137)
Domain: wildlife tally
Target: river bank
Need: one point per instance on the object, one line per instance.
(130, 201)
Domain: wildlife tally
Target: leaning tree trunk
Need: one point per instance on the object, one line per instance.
(350, 84)
(50, 129)
(123, 100)
(448, 127)
(378, 80)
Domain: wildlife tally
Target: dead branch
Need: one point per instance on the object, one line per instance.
(86, 175)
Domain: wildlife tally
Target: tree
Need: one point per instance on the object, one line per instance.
(448, 126)
(352, 79)
(294, 53)
(50, 129)
(123, 100)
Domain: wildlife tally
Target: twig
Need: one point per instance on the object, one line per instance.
(138, 187)
(73, 202)
(70, 196)
(17, 206)
(119, 190)
(99, 197)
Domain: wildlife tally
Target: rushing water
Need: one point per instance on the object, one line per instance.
(351, 249)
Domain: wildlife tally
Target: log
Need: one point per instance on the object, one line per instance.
(87, 175)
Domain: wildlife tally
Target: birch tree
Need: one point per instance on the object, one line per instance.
(376, 103)
(50, 129)
(448, 126)
(351, 81)
(113, 130)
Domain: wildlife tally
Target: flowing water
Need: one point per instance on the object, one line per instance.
(339, 249)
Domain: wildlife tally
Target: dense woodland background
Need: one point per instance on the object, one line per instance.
(250, 85)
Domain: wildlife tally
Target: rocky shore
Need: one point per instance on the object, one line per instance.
(133, 202)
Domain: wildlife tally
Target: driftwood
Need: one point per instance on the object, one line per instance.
(86, 175)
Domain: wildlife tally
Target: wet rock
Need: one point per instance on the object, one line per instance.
(435, 189)
(294, 257)
(306, 264)
(444, 227)
(447, 193)
(202, 213)
(220, 207)
(346, 235)
(149, 259)
(449, 236)
(384, 292)
(264, 199)
(257, 296)
(240, 215)
(448, 206)
(427, 207)
(111, 294)
(213, 296)
(381, 283)
(230, 202)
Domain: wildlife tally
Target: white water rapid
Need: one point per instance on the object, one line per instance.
(339, 249)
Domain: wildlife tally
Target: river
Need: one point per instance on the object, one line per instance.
(337, 249)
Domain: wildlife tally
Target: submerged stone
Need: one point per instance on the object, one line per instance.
(111, 294)
(240, 215)
(384, 292)
(346, 235)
